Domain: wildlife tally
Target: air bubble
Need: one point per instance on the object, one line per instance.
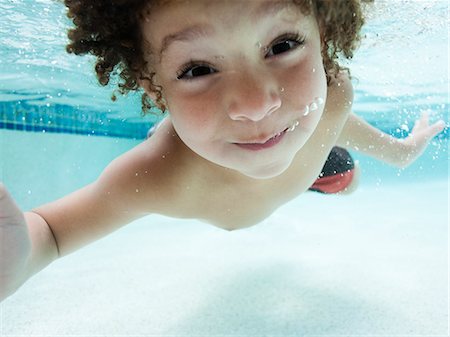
(306, 111)
(294, 125)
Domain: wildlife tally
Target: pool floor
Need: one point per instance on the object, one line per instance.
(371, 263)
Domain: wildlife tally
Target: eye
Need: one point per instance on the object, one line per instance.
(192, 70)
(285, 43)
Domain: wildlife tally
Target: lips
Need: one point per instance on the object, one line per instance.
(260, 145)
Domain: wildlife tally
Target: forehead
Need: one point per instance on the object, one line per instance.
(182, 19)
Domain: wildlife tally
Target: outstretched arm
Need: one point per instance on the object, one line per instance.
(357, 134)
(30, 241)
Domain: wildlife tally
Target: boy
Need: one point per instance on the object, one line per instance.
(257, 105)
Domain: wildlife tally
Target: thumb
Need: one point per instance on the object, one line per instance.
(435, 129)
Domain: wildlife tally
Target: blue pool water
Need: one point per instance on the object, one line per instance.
(400, 70)
(373, 263)
(44, 88)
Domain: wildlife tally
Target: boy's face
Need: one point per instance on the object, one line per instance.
(235, 76)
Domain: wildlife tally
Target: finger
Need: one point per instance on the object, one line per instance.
(424, 119)
(420, 122)
(433, 130)
(436, 128)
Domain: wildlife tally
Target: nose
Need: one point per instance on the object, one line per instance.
(252, 96)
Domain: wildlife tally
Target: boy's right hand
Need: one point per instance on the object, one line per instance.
(15, 245)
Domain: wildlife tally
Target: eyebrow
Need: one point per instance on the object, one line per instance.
(187, 34)
(267, 9)
(270, 8)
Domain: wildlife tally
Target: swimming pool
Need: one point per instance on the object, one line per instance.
(378, 266)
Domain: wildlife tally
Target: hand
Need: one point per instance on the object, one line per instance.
(419, 138)
(15, 245)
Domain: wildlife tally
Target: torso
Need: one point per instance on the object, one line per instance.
(189, 187)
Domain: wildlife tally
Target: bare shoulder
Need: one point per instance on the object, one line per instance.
(340, 94)
(145, 176)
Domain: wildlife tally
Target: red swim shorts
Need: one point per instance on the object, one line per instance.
(337, 173)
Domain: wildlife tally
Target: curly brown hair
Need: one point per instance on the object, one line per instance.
(110, 30)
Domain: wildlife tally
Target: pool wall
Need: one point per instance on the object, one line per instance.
(39, 116)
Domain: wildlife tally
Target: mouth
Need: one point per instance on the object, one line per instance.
(261, 145)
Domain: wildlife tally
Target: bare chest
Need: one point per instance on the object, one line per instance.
(243, 206)
(238, 205)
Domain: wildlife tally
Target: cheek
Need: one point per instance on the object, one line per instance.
(306, 81)
(191, 117)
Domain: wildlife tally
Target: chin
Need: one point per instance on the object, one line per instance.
(269, 171)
